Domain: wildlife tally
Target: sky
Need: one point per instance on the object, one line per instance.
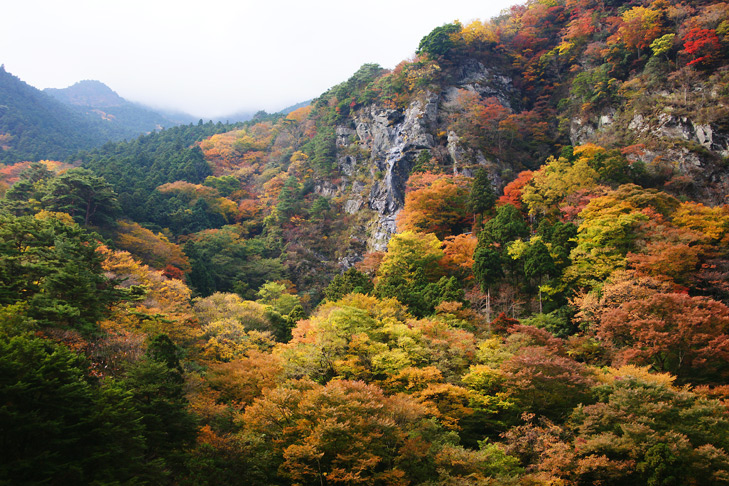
(217, 57)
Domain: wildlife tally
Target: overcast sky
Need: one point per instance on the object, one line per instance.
(215, 57)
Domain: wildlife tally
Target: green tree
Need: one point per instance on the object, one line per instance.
(24, 196)
(319, 208)
(293, 317)
(324, 149)
(488, 270)
(350, 281)
(538, 263)
(162, 349)
(157, 391)
(561, 235)
(87, 198)
(225, 185)
(411, 265)
(482, 197)
(58, 427)
(55, 268)
(223, 261)
(507, 225)
(487, 266)
(288, 199)
(278, 297)
(439, 41)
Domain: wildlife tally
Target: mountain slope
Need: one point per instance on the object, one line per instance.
(540, 291)
(505, 96)
(118, 117)
(34, 126)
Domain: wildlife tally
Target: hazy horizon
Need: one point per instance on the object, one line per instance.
(221, 58)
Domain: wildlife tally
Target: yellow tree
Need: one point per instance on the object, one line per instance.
(557, 179)
(409, 251)
(154, 249)
(163, 304)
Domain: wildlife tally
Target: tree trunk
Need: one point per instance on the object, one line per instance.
(488, 304)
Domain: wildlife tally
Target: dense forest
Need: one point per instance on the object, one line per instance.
(57, 123)
(503, 262)
(34, 126)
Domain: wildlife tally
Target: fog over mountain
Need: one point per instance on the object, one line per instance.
(220, 59)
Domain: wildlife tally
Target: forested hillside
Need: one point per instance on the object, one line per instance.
(118, 118)
(503, 262)
(56, 123)
(34, 126)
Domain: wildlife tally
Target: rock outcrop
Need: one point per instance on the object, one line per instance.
(394, 138)
(685, 147)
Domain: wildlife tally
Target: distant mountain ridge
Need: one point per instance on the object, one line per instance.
(56, 123)
(87, 93)
(35, 126)
(120, 118)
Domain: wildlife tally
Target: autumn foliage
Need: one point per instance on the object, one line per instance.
(439, 208)
(412, 280)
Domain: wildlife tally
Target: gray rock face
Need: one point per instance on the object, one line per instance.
(711, 139)
(670, 126)
(682, 128)
(463, 158)
(356, 200)
(344, 136)
(347, 165)
(327, 189)
(691, 148)
(394, 139)
(474, 76)
(583, 131)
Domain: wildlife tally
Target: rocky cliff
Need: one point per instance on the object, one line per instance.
(678, 133)
(378, 146)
